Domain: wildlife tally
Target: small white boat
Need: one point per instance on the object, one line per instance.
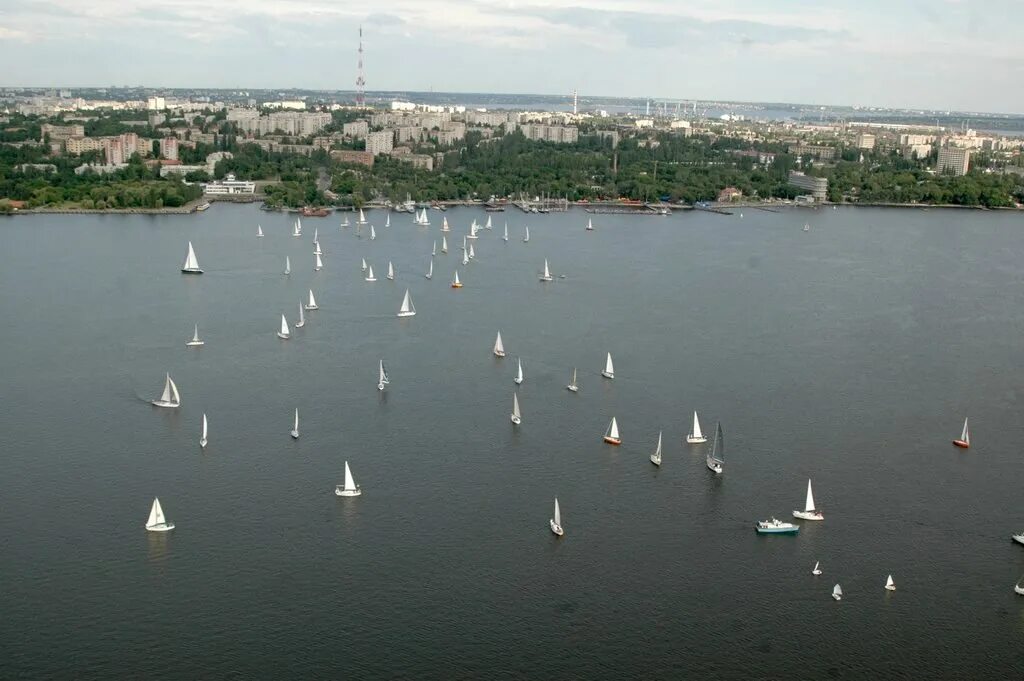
(964, 442)
(351, 489)
(837, 592)
(284, 333)
(889, 584)
(611, 436)
(430, 271)
(302, 317)
(817, 568)
(259, 231)
(716, 457)
(696, 437)
(776, 526)
(407, 309)
(191, 264)
(433, 251)
(499, 347)
(383, 379)
(472, 230)
(364, 264)
(547, 272)
(424, 220)
(369, 274)
(203, 440)
(609, 368)
(573, 387)
(1018, 588)
(287, 265)
(807, 226)
(170, 397)
(373, 233)
(519, 373)
(455, 280)
(656, 457)
(156, 521)
(444, 244)
(465, 258)
(195, 342)
(516, 416)
(297, 227)
(391, 271)
(488, 225)
(311, 305)
(809, 512)
(318, 264)
(362, 218)
(444, 225)
(1019, 538)
(527, 237)
(556, 522)
(387, 220)
(472, 253)
(295, 426)
(505, 238)
(590, 225)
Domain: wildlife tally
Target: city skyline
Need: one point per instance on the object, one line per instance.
(877, 54)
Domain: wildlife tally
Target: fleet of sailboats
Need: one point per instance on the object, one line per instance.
(350, 488)
(611, 435)
(170, 398)
(196, 341)
(407, 309)
(191, 264)
(156, 521)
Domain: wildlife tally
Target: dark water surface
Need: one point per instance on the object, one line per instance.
(849, 354)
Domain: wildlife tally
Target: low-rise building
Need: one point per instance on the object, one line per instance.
(865, 140)
(817, 186)
(229, 185)
(349, 156)
(425, 161)
(819, 152)
(729, 194)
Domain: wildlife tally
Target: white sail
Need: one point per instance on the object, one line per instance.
(156, 514)
(456, 279)
(364, 264)
(433, 251)
(205, 429)
(609, 368)
(287, 265)
(590, 224)
(259, 230)
(837, 591)
(362, 218)
(558, 514)
(316, 236)
(373, 233)
(717, 454)
(506, 232)
(298, 226)
(465, 257)
(488, 225)
(472, 254)
(444, 225)
(547, 270)
(696, 434)
(889, 584)
(809, 504)
(383, 379)
(519, 371)
(657, 452)
(407, 309)
(302, 317)
(515, 407)
(527, 237)
(369, 274)
(387, 220)
(391, 271)
(316, 248)
(295, 425)
(573, 383)
(195, 335)
(285, 331)
(312, 301)
(191, 263)
(499, 347)
(350, 483)
(430, 270)
(444, 244)
(613, 429)
(318, 265)
(964, 435)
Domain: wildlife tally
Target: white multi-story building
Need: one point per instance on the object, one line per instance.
(229, 185)
(564, 134)
(954, 160)
(380, 142)
(156, 103)
(356, 129)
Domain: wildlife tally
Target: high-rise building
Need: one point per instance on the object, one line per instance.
(169, 148)
(380, 142)
(865, 140)
(954, 160)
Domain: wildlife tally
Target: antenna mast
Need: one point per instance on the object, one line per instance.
(360, 79)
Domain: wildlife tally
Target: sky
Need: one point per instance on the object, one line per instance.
(930, 54)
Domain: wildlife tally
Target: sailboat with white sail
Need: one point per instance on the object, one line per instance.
(444, 244)
(203, 440)
(519, 373)
(259, 231)
(311, 305)
(716, 457)
(455, 280)
(964, 441)
(302, 317)
(430, 271)
(465, 257)
(316, 236)
(344, 222)
(295, 426)
(318, 264)
(157, 522)
(433, 251)
(889, 584)
(424, 220)
(556, 521)
(287, 265)
(407, 309)
(573, 387)
(170, 397)
(527, 237)
(387, 220)
(191, 264)
(391, 271)
(505, 237)
(284, 333)
(809, 512)
(611, 435)
(444, 225)
(472, 230)
(837, 592)
(373, 233)
(696, 437)
(316, 248)
(516, 416)
(297, 227)
(364, 264)
(362, 218)
(609, 368)
(499, 347)
(817, 569)
(656, 457)
(196, 341)
(383, 379)
(472, 253)
(547, 272)
(590, 225)
(369, 275)
(350, 489)
(488, 225)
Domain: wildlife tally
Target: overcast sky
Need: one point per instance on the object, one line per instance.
(941, 54)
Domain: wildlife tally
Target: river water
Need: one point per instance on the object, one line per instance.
(849, 354)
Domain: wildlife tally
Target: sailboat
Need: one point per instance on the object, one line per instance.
(203, 440)
(387, 220)
(590, 225)
(302, 317)
(609, 368)
(295, 426)
(287, 265)
(556, 522)
(527, 237)
(444, 244)
(407, 309)
(362, 218)
(465, 257)
(716, 457)
(837, 592)
(157, 522)
(519, 373)
(611, 436)
(499, 347)
(472, 254)
(364, 264)
(444, 225)
(809, 512)
(965, 438)
(889, 584)
(383, 378)
(373, 233)
(316, 237)
(656, 457)
(369, 275)
(505, 237)
(430, 271)
(284, 333)
(696, 437)
(344, 223)
(297, 227)
(1019, 538)
(433, 251)
(1018, 588)
(311, 305)
(424, 220)
(170, 397)
(488, 225)
(391, 271)
(807, 226)
(516, 416)
(573, 387)
(259, 231)
(318, 264)
(547, 272)
(191, 264)
(316, 248)
(195, 342)
(455, 280)
(817, 568)
(351, 489)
